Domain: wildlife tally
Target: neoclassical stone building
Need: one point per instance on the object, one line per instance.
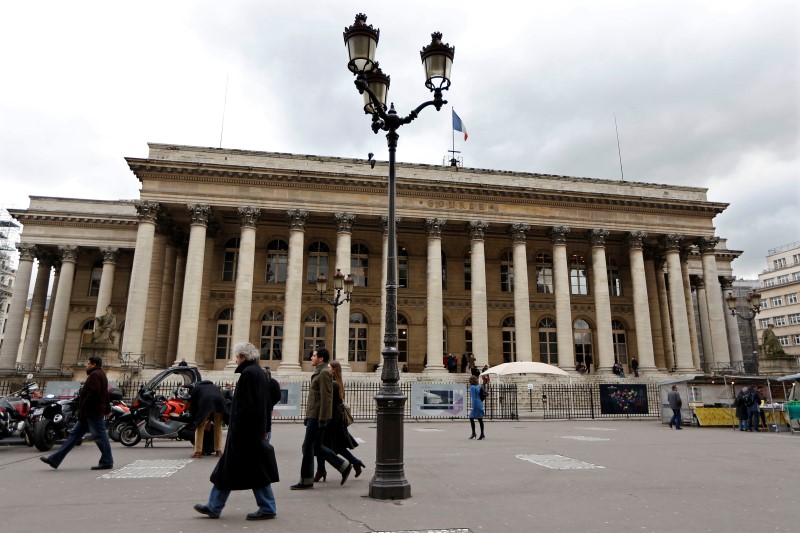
(226, 245)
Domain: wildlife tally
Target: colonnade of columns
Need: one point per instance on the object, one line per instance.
(664, 320)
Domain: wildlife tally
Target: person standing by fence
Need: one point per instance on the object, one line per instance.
(675, 403)
(476, 397)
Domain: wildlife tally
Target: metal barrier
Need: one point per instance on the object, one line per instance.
(583, 400)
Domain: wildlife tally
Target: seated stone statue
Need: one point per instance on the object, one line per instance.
(770, 345)
(105, 328)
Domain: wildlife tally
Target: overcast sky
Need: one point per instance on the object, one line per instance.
(705, 93)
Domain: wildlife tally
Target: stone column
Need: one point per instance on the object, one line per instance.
(106, 279)
(193, 283)
(480, 308)
(566, 342)
(344, 233)
(687, 291)
(33, 334)
(677, 300)
(522, 302)
(177, 302)
(58, 329)
(666, 324)
(705, 328)
(139, 287)
(154, 296)
(243, 299)
(384, 275)
(16, 311)
(734, 341)
(435, 339)
(49, 308)
(293, 301)
(641, 310)
(654, 308)
(602, 301)
(165, 310)
(716, 311)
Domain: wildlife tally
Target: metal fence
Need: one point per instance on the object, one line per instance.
(600, 400)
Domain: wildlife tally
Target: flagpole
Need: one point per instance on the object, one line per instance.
(453, 131)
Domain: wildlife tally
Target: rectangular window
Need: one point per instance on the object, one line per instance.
(783, 279)
(614, 282)
(764, 323)
(797, 340)
(780, 320)
(467, 275)
(785, 341)
(358, 268)
(794, 319)
(776, 301)
(277, 266)
(229, 266)
(779, 263)
(796, 276)
(506, 278)
(578, 281)
(796, 259)
(94, 282)
(769, 282)
(791, 298)
(544, 279)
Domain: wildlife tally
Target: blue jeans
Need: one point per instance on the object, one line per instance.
(264, 498)
(312, 446)
(676, 418)
(97, 427)
(752, 420)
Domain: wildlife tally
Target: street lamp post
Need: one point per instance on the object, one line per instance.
(753, 308)
(389, 481)
(340, 284)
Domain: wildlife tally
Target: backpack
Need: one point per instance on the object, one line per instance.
(748, 399)
(483, 394)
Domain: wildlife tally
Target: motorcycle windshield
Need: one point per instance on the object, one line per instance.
(182, 376)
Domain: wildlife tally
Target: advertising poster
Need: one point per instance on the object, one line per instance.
(623, 399)
(436, 399)
(289, 404)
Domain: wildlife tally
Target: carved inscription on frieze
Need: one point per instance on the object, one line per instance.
(459, 205)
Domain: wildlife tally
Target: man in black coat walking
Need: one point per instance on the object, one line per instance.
(248, 461)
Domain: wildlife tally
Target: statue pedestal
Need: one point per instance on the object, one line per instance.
(778, 365)
(107, 351)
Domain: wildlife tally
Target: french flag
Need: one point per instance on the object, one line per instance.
(458, 125)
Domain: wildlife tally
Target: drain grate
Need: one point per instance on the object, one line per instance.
(557, 462)
(145, 468)
(587, 439)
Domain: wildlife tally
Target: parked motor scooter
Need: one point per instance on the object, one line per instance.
(149, 420)
(118, 409)
(53, 422)
(15, 413)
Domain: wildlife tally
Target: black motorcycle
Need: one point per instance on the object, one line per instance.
(15, 413)
(53, 422)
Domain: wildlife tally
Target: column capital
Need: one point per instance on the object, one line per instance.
(46, 257)
(597, 237)
(110, 254)
(433, 227)
(199, 214)
(27, 252)
(68, 253)
(698, 282)
(297, 219)
(707, 245)
(147, 211)
(635, 239)
(671, 242)
(558, 234)
(477, 229)
(727, 282)
(344, 222)
(519, 233)
(385, 223)
(249, 216)
(685, 251)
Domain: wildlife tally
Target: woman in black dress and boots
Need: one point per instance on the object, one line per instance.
(336, 437)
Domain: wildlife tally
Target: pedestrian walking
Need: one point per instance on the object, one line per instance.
(464, 363)
(336, 435)
(248, 461)
(207, 406)
(635, 367)
(319, 410)
(675, 403)
(93, 406)
(476, 397)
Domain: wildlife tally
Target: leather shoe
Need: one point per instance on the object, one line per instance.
(346, 473)
(47, 461)
(258, 515)
(103, 467)
(203, 509)
(670, 425)
(302, 486)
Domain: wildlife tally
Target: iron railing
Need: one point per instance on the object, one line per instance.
(600, 400)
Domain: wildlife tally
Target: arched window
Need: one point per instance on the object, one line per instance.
(506, 272)
(583, 340)
(86, 332)
(614, 278)
(468, 336)
(277, 261)
(224, 334)
(272, 335)
(544, 273)
(402, 268)
(231, 260)
(548, 341)
(577, 275)
(313, 332)
(402, 339)
(94, 280)
(468, 271)
(357, 346)
(620, 344)
(359, 264)
(317, 261)
(509, 340)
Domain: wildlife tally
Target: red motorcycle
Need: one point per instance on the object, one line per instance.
(15, 413)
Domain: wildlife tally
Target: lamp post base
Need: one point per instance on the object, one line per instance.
(389, 481)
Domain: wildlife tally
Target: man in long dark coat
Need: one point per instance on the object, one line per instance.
(248, 461)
